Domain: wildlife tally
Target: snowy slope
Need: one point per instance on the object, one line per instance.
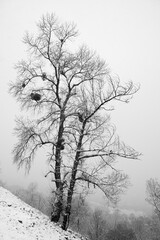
(19, 221)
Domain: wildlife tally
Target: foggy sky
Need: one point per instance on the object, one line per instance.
(124, 33)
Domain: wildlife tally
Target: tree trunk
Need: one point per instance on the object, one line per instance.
(67, 213)
(66, 216)
(58, 206)
(56, 213)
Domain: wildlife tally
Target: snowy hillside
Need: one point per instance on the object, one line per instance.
(19, 221)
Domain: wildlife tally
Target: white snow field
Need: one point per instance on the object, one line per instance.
(19, 221)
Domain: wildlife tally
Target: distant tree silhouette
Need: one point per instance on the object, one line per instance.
(121, 232)
(153, 195)
(97, 227)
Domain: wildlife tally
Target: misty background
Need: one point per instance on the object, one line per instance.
(124, 33)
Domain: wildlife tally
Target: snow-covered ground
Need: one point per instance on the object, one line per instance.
(19, 221)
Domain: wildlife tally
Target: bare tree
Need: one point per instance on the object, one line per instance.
(145, 228)
(153, 195)
(80, 214)
(71, 93)
(98, 227)
(121, 232)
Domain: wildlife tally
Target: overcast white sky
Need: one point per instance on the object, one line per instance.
(124, 32)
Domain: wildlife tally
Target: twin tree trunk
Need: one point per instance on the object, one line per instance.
(58, 206)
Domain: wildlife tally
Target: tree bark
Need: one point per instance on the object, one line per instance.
(67, 213)
(66, 216)
(58, 206)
